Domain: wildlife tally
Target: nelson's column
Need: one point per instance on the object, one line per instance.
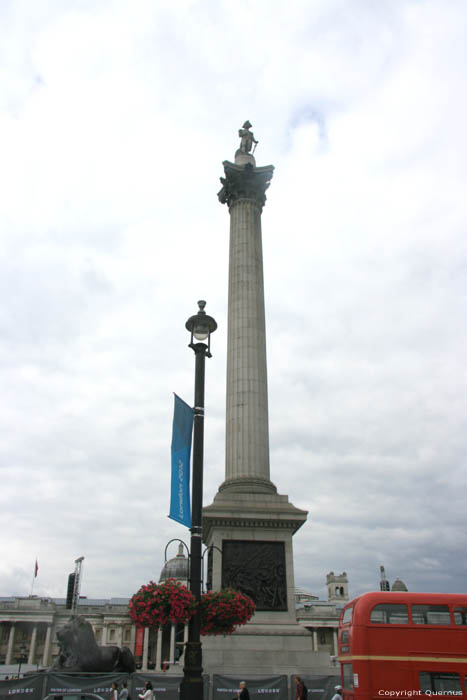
(248, 521)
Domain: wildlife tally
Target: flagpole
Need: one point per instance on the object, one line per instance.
(34, 576)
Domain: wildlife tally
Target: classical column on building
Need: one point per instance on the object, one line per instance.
(32, 647)
(144, 665)
(173, 630)
(315, 639)
(133, 639)
(46, 655)
(334, 641)
(11, 644)
(248, 521)
(159, 650)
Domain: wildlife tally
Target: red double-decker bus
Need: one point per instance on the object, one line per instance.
(401, 645)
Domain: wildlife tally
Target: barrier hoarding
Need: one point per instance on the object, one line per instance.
(27, 688)
(165, 687)
(226, 687)
(92, 683)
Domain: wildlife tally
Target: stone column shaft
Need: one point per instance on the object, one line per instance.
(247, 447)
(315, 640)
(144, 663)
(159, 650)
(48, 636)
(247, 422)
(32, 648)
(172, 644)
(11, 644)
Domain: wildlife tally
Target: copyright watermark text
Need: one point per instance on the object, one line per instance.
(415, 693)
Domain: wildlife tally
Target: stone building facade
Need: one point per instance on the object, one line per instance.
(321, 617)
(29, 625)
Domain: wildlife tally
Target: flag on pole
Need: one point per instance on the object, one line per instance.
(36, 569)
(181, 450)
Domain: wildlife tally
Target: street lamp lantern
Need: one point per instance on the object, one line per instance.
(200, 326)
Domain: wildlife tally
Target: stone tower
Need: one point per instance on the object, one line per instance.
(338, 587)
(249, 523)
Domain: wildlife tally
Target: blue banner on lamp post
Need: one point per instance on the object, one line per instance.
(181, 450)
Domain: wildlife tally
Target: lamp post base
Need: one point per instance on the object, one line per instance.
(191, 688)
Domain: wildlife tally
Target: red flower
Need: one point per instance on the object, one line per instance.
(223, 611)
(156, 604)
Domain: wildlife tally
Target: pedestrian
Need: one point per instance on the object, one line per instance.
(123, 694)
(338, 694)
(301, 691)
(148, 693)
(114, 695)
(243, 693)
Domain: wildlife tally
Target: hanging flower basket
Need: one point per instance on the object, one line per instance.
(223, 611)
(155, 604)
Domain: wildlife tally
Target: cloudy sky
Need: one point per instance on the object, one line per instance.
(115, 117)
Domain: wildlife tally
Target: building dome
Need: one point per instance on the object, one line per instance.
(176, 568)
(398, 585)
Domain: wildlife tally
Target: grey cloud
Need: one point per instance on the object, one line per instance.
(112, 231)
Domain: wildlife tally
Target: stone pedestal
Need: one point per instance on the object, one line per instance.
(255, 651)
(254, 533)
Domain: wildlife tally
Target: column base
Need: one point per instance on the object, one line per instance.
(248, 485)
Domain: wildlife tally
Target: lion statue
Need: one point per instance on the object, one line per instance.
(79, 651)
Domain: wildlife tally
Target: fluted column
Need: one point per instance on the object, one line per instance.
(133, 639)
(11, 644)
(144, 663)
(48, 636)
(247, 425)
(32, 648)
(159, 650)
(172, 644)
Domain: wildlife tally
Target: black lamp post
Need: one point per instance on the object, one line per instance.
(200, 326)
(22, 657)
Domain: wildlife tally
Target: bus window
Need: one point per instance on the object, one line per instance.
(347, 675)
(390, 613)
(460, 616)
(431, 615)
(448, 683)
(345, 648)
(347, 615)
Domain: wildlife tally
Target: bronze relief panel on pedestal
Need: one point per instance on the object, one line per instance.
(258, 570)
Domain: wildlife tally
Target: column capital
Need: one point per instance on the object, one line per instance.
(244, 182)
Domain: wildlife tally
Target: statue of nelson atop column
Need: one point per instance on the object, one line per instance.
(244, 154)
(247, 138)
